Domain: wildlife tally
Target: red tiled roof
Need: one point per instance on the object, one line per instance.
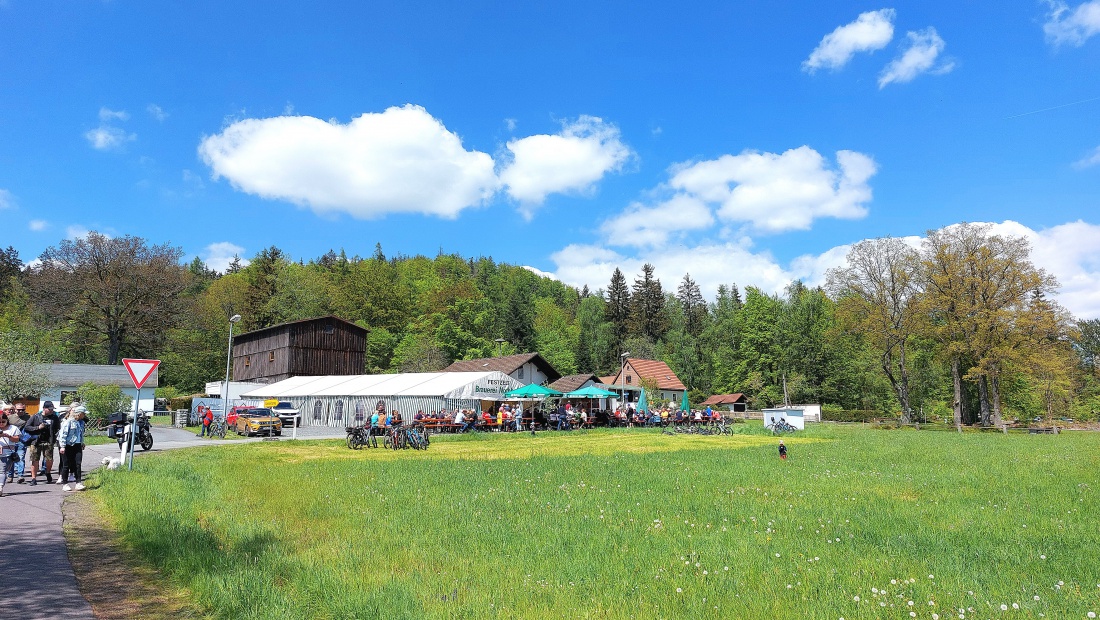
(725, 399)
(506, 364)
(653, 370)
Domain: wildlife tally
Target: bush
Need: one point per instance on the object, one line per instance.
(182, 402)
(829, 414)
(103, 400)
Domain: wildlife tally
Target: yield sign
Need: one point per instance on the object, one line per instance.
(140, 370)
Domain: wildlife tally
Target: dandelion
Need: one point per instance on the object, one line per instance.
(1036, 597)
(1015, 605)
(874, 590)
(912, 614)
(726, 568)
(1042, 557)
(777, 555)
(1091, 614)
(893, 582)
(910, 603)
(931, 576)
(679, 590)
(855, 598)
(1004, 607)
(705, 573)
(931, 603)
(935, 617)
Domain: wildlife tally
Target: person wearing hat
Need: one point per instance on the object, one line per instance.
(71, 442)
(44, 426)
(782, 450)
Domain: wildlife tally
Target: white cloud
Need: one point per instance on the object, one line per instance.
(76, 231)
(1089, 160)
(641, 225)
(1066, 27)
(107, 115)
(919, 57)
(7, 200)
(192, 180)
(218, 256)
(1071, 252)
(571, 161)
(106, 138)
(156, 112)
(778, 192)
(399, 160)
(38, 225)
(539, 272)
(870, 31)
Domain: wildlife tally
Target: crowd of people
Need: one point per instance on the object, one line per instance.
(512, 417)
(30, 442)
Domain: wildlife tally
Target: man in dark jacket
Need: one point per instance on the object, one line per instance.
(44, 426)
(18, 418)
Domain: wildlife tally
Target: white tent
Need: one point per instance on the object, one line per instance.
(340, 400)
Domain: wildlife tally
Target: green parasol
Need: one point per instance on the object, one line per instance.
(684, 404)
(590, 392)
(532, 391)
(643, 406)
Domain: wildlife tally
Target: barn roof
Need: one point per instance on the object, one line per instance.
(506, 364)
(726, 399)
(653, 370)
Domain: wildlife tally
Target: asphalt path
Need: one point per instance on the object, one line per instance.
(38, 577)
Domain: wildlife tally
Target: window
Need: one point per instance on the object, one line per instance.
(317, 407)
(329, 329)
(271, 356)
(338, 415)
(520, 376)
(629, 379)
(360, 412)
(247, 361)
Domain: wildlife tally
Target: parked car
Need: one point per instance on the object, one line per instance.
(231, 419)
(258, 422)
(288, 413)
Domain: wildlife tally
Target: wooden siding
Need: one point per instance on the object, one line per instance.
(324, 346)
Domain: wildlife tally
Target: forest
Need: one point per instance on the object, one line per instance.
(961, 327)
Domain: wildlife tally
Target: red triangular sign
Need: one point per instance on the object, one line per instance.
(140, 370)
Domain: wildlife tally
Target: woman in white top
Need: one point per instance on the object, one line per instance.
(9, 438)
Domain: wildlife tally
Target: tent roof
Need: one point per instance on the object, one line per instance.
(408, 384)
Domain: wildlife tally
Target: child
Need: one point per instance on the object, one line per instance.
(782, 450)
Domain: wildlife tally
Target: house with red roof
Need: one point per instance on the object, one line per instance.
(629, 379)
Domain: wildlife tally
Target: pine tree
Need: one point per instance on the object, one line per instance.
(647, 307)
(618, 307)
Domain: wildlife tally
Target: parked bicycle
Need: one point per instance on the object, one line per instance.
(782, 426)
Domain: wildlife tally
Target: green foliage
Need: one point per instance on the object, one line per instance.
(103, 400)
(22, 369)
(180, 402)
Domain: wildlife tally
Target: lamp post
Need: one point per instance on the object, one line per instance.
(622, 377)
(228, 356)
(500, 346)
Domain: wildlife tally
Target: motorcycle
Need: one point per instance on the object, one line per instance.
(118, 424)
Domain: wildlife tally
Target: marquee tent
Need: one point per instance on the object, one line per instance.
(341, 400)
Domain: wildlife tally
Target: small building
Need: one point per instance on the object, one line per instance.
(67, 378)
(311, 347)
(629, 380)
(527, 368)
(572, 383)
(342, 400)
(736, 403)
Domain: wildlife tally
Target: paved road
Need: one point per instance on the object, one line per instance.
(38, 578)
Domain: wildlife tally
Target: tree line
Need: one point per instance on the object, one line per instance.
(962, 327)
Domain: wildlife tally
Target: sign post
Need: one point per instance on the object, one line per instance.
(140, 371)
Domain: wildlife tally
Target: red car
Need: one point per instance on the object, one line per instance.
(231, 419)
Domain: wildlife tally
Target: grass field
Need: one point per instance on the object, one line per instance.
(627, 524)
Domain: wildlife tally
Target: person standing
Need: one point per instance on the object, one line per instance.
(206, 417)
(9, 438)
(44, 426)
(782, 450)
(18, 419)
(71, 442)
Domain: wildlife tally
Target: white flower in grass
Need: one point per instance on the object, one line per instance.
(931, 603)
(679, 590)
(855, 598)
(935, 617)
(1015, 605)
(1091, 614)
(1036, 597)
(1042, 557)
(874, 590)
(777, 555)
(909, 603)
(705, 573)
(912, 614)
(726, 568)
(931, 576)
(893, 582)
(1004, 607)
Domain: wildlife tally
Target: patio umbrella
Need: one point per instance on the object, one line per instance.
(684, 404)
(643, 406)
(532, 391)
(590, 392)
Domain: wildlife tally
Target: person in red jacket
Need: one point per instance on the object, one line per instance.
(207, 417)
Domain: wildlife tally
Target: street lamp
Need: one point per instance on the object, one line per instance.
(500, 346)
(228, 356)
(622, 377)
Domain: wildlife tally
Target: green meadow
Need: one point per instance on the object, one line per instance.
(857, 523)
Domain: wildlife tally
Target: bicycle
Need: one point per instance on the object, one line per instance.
(357, 437)
(417, 439)
(780, 427)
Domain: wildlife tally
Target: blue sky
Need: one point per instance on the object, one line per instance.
(746, 142)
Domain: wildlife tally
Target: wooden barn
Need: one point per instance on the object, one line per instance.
(311, 347)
